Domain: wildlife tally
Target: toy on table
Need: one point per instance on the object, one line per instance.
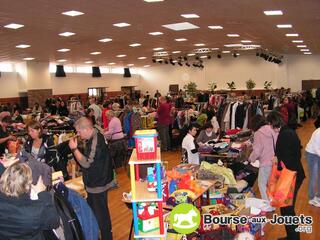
(148, 219)
(151, 178)
(146, 144)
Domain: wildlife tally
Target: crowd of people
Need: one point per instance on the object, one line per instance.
(275, 142)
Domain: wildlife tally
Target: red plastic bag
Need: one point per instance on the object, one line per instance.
(281, 185)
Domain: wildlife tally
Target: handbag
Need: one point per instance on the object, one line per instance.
(281, 186)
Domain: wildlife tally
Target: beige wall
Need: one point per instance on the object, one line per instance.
(80, 82)
(219, 71)
(38, 76)
(9, 85)
(302, 68)
(289, 74)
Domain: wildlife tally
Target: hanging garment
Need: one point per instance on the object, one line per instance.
(240, 115)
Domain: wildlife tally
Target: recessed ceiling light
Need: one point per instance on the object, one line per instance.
(191, 54)
(62, 60)
(292, 34)
(215, 27)
(214, 49)
(29, 58)
(190, 15)
(23, 46)
(203, 56)
(234, 45)
(155, 33)
(180, 39)
(199, 44)
(88, 62)
(307, 53)
(121, 24)
(135, 45)
(304, 50)
(246, 41)
(301, 46)
(284, 26)
(63, 50)
(14, 26)
(174, 52)
(157, 49)
(141, 58)
(73, 13)
(233, 35)
(180, 26)
(130, 65)
(95, 53)
(105, 40)
(225, 51)
(112, 63)
(273, 13)
(297, 41)
(121, 55)
(66, 34)
(153, 0)
(146, 66)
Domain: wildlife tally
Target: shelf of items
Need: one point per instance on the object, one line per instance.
(134, 160)
(140, 194)
(143, 195)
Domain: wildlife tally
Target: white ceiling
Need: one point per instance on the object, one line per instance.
(43, 22)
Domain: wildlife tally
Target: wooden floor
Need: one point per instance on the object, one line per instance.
(121, 215)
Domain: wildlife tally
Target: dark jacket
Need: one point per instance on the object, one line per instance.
(22, 218)
(63, 111)
(96, 165)
(46, 151)
(288, 150)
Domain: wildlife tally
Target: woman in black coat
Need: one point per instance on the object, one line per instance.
(288, 151)
(20, 217)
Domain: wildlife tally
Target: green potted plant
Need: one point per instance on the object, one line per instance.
(267, 85)
(191, 89)
(212, 86)
(250, 84)
(231, 85)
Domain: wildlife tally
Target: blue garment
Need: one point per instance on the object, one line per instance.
(314, 175)
(85, 215)
(127, 128)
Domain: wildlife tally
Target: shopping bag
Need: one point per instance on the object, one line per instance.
(281, 185)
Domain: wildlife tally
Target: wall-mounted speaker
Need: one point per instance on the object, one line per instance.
(96, 72)
(127, 72)
(60, 71)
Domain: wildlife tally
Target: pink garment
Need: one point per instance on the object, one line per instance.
(264, 143)
(114, 129)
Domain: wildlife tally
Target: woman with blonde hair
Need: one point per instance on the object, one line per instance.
(21, 217)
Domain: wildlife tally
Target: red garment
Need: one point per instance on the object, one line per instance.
(284, 113)
(104, 118)
(163, 111)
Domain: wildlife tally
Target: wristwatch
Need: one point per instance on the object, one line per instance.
(73, 149)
